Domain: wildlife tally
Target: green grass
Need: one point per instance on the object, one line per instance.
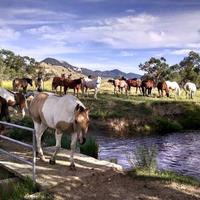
(17, 191)
(145, 115)
(164, 176)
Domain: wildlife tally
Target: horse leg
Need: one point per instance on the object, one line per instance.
(95, 93)
(73, 147)
(40, 128)
(58, 135)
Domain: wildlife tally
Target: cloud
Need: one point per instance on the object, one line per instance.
(182, 52)
(141, 31)
(8, 34)
(34, 16)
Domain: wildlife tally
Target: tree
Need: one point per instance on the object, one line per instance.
(16, 65)
(156, 69)
(188, 69)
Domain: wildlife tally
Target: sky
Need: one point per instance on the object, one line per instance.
(101, 34)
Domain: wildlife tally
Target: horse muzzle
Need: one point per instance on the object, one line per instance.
(82, 141)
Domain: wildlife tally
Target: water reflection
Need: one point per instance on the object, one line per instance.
(178, 152)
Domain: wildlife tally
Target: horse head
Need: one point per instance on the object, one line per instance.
(29, 81)
(81, 122)
(98, 80)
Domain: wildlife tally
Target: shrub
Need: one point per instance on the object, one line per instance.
(163, 126)
(144, 158)
(90, 148)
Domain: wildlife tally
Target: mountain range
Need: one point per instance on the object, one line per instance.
(107, 74)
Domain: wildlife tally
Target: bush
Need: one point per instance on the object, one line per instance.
(90, 148)
(144, 158)
(163, 126)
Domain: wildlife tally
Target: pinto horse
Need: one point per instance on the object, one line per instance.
(14, 99)
(162, 86)
(134, 83)
(91, 84)
(21, 83)
(75, 84)
(146, 86)
(190, 89)
(62, 114)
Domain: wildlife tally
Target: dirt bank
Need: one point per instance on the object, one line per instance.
(113, 185)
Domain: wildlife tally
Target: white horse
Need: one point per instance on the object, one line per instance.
(173, 85)
(91, 84)
(62, 114)
(14, 99)
(190, 89)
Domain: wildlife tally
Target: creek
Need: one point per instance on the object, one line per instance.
(178, 152)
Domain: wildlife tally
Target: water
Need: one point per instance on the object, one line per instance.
(178, 152)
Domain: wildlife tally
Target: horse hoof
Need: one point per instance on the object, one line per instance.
(42, 158)
(52, 162)
(72, 167)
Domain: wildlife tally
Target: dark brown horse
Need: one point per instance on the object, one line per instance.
(146, 86)
(134, 83)
(4, 113)
(75, 84)
(162, 86)
(59, 81)
(21, 83)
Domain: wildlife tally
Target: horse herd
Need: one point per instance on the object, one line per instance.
(67, 112)
(146, 86)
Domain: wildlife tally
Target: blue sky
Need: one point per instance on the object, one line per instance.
(101, 34)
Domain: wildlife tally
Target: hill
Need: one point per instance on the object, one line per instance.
(108, 73)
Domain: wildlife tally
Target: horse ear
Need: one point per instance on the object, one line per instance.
(79, 108)
(87, 110)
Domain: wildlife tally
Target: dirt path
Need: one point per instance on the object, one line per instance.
(113, 185)
(92, 181)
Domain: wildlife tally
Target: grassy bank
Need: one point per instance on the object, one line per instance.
(141, 173)
(135, 114)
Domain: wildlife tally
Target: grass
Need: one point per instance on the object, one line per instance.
(144, 166)
(17, 191)
(164, 176)
(145, 115)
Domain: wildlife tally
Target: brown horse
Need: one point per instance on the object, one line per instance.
(146, 86)
(134, 83)
(14, 99)
(21, 83)
(162, 86)
(119, 85)
(4, 113)
(39, 84)
(59, 81)
(75, 84)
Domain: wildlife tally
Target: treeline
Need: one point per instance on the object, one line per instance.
(187, 70)
(12, 65)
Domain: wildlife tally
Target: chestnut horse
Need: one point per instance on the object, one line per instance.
(119, 85)
(75, 84)
(21, 83)
(59, 81)
(134, 83)
(146, 86)
(162, 86)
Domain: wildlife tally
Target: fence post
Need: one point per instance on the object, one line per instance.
(34, 156)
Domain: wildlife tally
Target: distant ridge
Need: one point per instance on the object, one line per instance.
(107, 74)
